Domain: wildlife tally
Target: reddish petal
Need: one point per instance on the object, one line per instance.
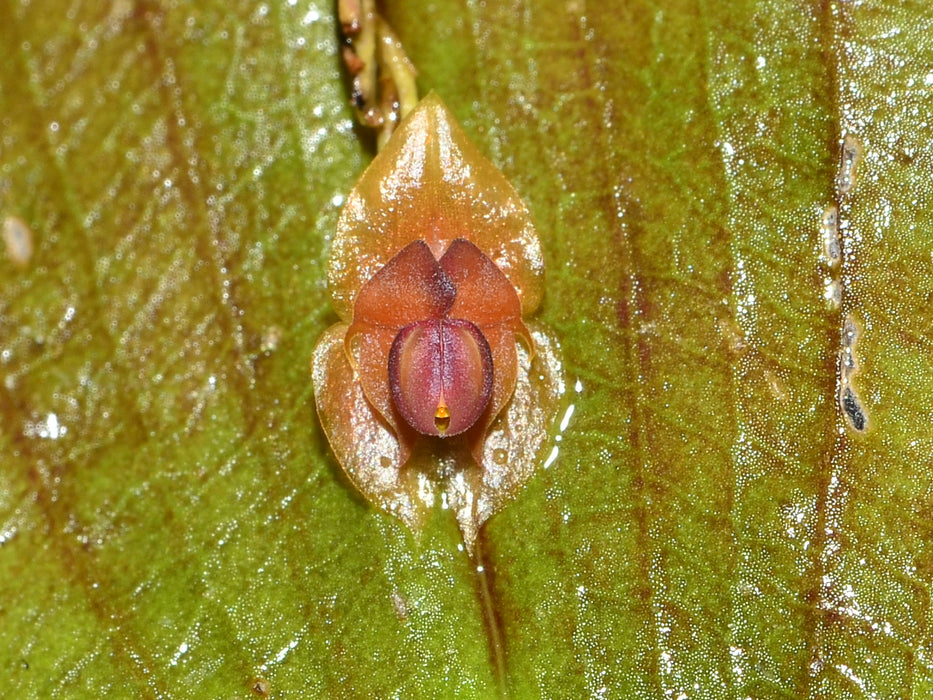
(484, 294)
(411, 287)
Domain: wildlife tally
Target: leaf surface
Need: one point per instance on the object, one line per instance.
(713, 525)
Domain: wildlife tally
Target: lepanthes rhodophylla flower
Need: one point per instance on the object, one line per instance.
(434, 380)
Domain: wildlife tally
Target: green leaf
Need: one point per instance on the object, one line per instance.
(714, 525)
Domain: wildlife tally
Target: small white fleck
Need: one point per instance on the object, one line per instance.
(848, 170)
(832, 247)
(832, 292)
(566, 419)
(284, 651)
(18, 240)
(52, 428)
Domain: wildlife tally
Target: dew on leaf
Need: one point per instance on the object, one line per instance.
(849, 401)
(18, 239)
(565, 421)
(271, 337)
(850, 331)
(848, 168)
(400, 605)
(832, 248)
(832, 292)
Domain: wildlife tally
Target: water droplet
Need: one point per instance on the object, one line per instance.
(400, 605)
(18, 238)
(565, 421)
(832, 292)
(271, 337)
(849, 401)
(832, 246)
(355, 347)
(850, 331)
(848, 169)
(499, 455)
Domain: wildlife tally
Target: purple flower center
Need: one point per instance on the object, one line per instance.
(441, 375)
